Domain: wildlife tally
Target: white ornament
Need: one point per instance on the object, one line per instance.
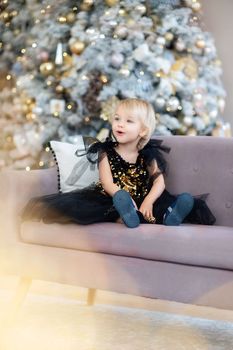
(213, 114)
(221, 104)
(160, 102)
(121, 32)
(161, 40)
(59, 54)
(172, 104)
(117, 59)
(141, 9)
(188, 120)
(180, 45)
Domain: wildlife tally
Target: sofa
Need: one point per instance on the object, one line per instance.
(189, 263)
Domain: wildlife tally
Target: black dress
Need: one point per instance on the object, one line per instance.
(92, 204)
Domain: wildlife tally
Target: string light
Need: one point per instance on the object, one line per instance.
(61, 19)
(23, 51)
(8, 77)
(47, 149)
(27, 168)
(41, 163)
(34, 45)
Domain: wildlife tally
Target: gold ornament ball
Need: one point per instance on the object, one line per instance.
(88, 2)
(169, 36)
(196, 6)
(77, 47)
(86, 5)
(200, 43)
(59, 89)
(70, 17)
(47, 68)
(111, 2)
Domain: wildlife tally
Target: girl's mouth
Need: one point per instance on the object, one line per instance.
(120, 133)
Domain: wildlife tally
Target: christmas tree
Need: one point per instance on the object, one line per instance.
(69, 62)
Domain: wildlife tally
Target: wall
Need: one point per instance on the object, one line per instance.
(218, 19)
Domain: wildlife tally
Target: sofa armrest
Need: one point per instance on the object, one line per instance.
(16, 188)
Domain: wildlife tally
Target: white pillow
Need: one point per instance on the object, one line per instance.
(74, 172)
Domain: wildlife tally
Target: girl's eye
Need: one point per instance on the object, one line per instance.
(116, 117)
(130, 121)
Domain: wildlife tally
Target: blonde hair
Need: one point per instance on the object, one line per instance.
(143, 110)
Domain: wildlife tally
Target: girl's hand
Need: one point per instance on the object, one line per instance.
(146, 209)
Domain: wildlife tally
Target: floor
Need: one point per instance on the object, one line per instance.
(56, 316)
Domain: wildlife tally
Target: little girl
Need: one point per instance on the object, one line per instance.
(131, 187)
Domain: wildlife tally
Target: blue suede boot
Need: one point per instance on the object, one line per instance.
(126, 209)
(178, 211)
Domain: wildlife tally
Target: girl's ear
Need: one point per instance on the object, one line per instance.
(143, 132)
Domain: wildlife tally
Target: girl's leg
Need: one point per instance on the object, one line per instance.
(178, 210)
(125, 207)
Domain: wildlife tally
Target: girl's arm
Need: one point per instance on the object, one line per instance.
(156, 190)
(106, 177)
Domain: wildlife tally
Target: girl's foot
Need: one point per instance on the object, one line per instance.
(125, 207)
(178, 211)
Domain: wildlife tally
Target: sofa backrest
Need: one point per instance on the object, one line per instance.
(203, 164)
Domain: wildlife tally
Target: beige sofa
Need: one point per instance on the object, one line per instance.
(189, 264)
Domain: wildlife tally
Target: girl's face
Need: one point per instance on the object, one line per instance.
(126, 127)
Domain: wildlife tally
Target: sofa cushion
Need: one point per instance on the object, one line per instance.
(209, 246)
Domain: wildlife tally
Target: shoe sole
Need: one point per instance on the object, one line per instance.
(183, 206)
(124, 206)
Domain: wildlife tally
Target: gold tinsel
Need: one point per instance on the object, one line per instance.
(186, 64)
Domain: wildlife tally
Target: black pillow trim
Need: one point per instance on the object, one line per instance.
(58, 171)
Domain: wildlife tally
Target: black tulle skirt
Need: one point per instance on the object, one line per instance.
(89, 205)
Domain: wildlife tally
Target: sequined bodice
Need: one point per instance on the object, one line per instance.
(132, 177)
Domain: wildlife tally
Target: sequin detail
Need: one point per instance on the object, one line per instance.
(133, 178)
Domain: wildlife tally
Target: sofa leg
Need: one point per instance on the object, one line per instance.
(11, 312)
(22, 290)
(91, 296)
(18, 299)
